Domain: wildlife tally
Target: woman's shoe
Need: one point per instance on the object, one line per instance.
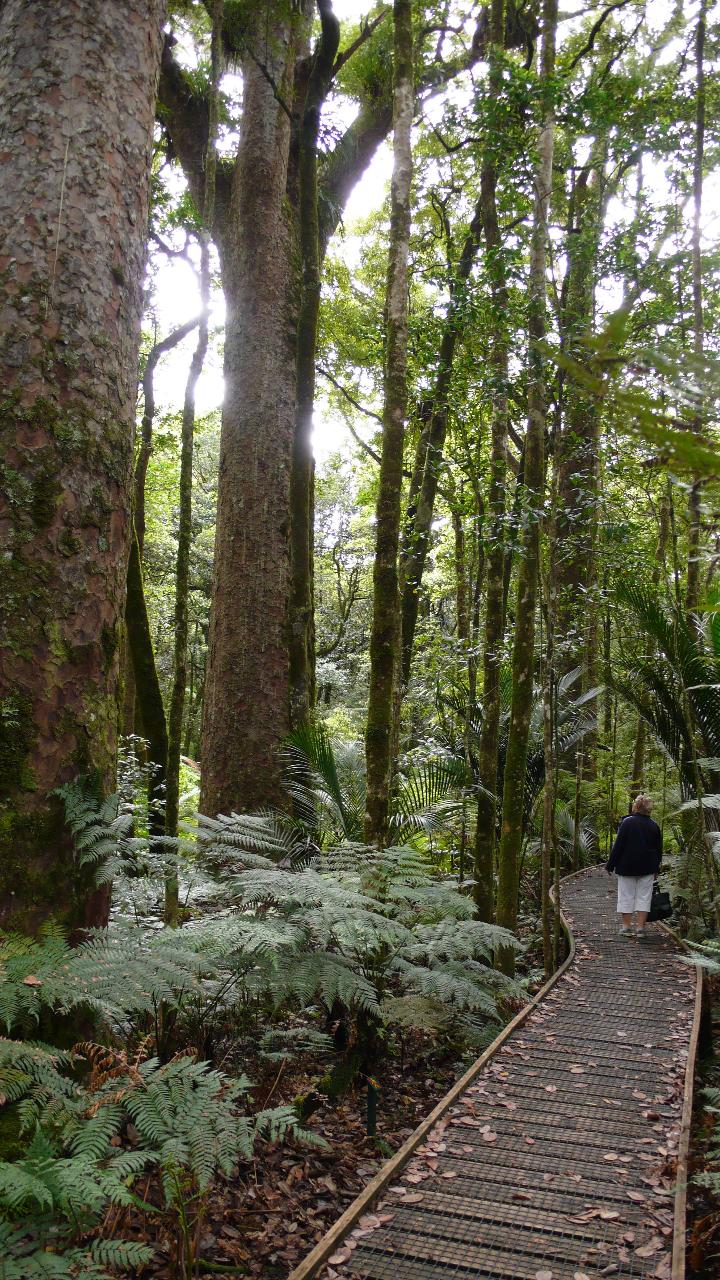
(627, 933)
(640, 933)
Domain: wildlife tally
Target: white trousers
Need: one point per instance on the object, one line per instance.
(634, 893)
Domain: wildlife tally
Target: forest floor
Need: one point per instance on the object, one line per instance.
(262, 1222)
(265, 1219)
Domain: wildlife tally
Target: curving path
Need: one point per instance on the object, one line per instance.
(556, 1157)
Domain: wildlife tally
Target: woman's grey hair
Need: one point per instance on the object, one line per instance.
(642, 804)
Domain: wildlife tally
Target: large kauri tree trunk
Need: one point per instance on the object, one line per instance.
(254, 685)
(247, 711)
(77, 97)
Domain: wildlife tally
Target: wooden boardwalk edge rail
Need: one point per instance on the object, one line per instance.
(329, 1243)
(332, 1240)
(680, 1223)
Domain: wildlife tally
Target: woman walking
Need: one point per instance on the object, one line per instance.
(635, 858)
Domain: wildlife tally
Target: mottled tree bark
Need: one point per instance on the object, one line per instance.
(487, 757)
(523, 649)
(692, 584)
(246, 710)
(77, 96)
(385, 638)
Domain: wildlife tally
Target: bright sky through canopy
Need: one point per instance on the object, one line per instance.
(176, 295)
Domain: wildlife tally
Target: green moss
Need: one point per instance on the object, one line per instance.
(16, 736)
(17, 487)
(109, 639)
(56, 641)
(68, 543)
(31, 883)
(46, 495)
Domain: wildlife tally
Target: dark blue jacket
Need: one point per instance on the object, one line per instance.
(637, 850)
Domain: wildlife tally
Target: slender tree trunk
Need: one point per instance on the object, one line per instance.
(487, 759)
(132, 711)
(578, 442)
(429, 457)
(523, 650)
(182, 568)
(182, 586)
(385, 639)
(549, 834)
(637, 782)
(461, 582)
(73, 217)
(692, 588)
(302, 664)
(246, 708)
(148, 688)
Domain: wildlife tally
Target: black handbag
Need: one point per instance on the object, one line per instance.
(660, 907)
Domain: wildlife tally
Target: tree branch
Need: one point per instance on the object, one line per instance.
(346, 164)
(185, 114)
(366, 30)
(595, 31)
(369, 413)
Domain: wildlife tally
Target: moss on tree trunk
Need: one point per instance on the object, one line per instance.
(487, 758)
(73, 208)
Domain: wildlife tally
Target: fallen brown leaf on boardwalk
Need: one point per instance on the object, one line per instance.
(653, 1246)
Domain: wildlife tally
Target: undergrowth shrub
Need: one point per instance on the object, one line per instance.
(283, 948)
(188, 1121)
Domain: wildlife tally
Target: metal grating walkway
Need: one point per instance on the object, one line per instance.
(557, 1160)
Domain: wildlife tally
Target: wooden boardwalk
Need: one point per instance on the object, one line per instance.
(556, 1157)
